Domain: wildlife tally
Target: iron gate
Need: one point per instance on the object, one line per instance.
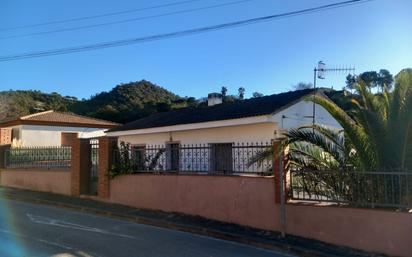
(94, 166)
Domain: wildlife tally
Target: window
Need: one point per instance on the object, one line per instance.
(138, 157)
(172, 157)
(221, 158)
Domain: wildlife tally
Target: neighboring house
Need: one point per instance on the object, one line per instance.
(214, 131)
(51, 128)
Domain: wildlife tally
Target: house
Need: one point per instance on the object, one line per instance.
(51, 128)
(221, 136)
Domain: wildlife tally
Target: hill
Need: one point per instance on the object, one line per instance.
(125, 102)
(14, 104)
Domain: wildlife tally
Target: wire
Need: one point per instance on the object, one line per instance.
(125, 21)
(98, 15)
(175, 34)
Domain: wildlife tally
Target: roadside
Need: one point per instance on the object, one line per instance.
(197, 225)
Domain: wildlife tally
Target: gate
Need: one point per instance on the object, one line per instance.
(94, 166)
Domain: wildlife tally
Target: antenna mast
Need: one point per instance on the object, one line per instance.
(319, 73)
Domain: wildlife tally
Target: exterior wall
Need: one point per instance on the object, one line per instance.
(250, 201)
(243, 200)
(33, 135)
(262, 132)
(301, 113)
(56, 181)
(378, 231)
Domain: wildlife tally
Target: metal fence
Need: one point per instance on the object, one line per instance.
(38, 157)
(219, 159)
(387, 189)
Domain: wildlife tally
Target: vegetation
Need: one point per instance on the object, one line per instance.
(122, 104)
(131, 101)
(18, 103)
(124, 162)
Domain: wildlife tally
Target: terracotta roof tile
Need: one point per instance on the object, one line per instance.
(64, 118)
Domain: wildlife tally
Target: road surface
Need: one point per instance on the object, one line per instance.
(37, 230)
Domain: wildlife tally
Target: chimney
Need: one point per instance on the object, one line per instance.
(214, 98)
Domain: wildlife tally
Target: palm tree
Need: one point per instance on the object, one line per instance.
(379, 130)
(377, 134)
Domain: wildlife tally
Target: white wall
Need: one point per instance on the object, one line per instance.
(33, 135)
(262, 132)
(300, 114)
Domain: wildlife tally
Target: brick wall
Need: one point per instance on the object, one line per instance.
(67, 138)
(80, 166)
(5, 136)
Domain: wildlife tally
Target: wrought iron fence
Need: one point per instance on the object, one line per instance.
(38, 157)
(219, 159)
(387, 189)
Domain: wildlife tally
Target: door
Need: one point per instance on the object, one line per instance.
(221, 158)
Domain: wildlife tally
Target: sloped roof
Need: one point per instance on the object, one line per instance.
(247, 108)
(54, 118)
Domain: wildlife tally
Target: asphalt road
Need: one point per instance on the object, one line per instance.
(38, 230)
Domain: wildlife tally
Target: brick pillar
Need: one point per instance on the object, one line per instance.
(277, 159)
(106, 146)
(75, 167)
(80, 166)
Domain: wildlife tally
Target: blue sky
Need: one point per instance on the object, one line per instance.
(266, 57)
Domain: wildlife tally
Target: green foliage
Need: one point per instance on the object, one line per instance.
(257, 95)
(128, 102)
(124, 103)
(372, 79)
(241, 93)
(18, 103)
(302, 85)
(379, 129)
(125, 163)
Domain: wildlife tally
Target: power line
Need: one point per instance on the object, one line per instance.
(126, 20)
(175, 34)
(99, 15)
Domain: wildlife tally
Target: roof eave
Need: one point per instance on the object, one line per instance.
(193, 126)
(56, 124)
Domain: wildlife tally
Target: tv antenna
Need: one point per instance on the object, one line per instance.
(319, 73)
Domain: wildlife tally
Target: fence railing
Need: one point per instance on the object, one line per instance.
(391, 189)
(219, 159)
(38, 157)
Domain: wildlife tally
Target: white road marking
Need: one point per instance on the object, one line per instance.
(64, 224)
(65, 247)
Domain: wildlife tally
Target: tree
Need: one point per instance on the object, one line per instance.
(223, 91)
(257, 95)
(385, 80)
(303, 85)
(351, 81)
(380, 130)
(241, 93)
(372, 79)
